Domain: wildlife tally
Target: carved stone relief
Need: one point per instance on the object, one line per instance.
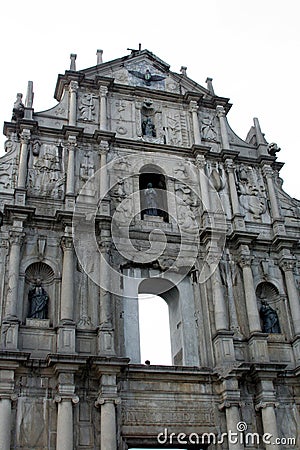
(87, 107)
(252, 193)
(46, 176)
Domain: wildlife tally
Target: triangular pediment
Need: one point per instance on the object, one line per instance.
(146, 70)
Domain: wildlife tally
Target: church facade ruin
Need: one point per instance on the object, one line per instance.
(134, 183)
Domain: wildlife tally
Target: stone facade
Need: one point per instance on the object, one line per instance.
(135, 183)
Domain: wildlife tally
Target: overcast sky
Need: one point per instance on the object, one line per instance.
(249, 47)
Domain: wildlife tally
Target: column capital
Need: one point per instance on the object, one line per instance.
(229, 165)
(193, 107)
(200, 162)
(103, 90)
(267, 171)
(73, 86)
(220, 111)
(287, 264)
(60, 398)
(228, 404)
(103, 147)
(101, 400)
(66, 243)
(16, 237)
(263, 405)
(71, 142)
(244, 258)
(25, 136)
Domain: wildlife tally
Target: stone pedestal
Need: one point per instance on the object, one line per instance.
(66, 338)
(258, 348)
(224, 348)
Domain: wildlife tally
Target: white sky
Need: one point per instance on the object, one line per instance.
(249, 47)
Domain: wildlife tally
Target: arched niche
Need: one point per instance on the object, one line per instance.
(153, 192)
(270, 307)
(41, 273)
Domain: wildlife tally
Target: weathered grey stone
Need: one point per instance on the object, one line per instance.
(220, 240)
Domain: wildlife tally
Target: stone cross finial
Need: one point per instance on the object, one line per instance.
(73, 57)
(99, 57)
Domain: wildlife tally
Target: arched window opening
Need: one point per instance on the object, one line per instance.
(160, 322)
(152, 186)
(155, 342)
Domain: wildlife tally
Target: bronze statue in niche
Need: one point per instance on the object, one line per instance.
(38, 301)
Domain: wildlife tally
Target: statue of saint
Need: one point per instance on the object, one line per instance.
(151, 200)
(269, 318)
(38, 301)
(148, 127)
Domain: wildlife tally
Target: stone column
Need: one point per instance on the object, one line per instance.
(7, 375)
(268, 173)
(230, 403)
(73, 88)
(66, 329)
(67, 284)
(64, 436)
(108, 423)
(65, 399)
(287, 264)
(194, 110)
(233, 417)
(250, 295)
(103, 150)
(200, 163)
(269, 423)
(71, 144)
(5, 421)
(221, 314)
(103, 107)
(105, 336)
(223, 127)
(107, 400)
(16, 239)
(232, 187)
(22, 175)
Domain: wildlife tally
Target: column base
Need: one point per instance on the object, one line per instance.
(106, 342)
(66, 339)
(258, 348)
(10, 334)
